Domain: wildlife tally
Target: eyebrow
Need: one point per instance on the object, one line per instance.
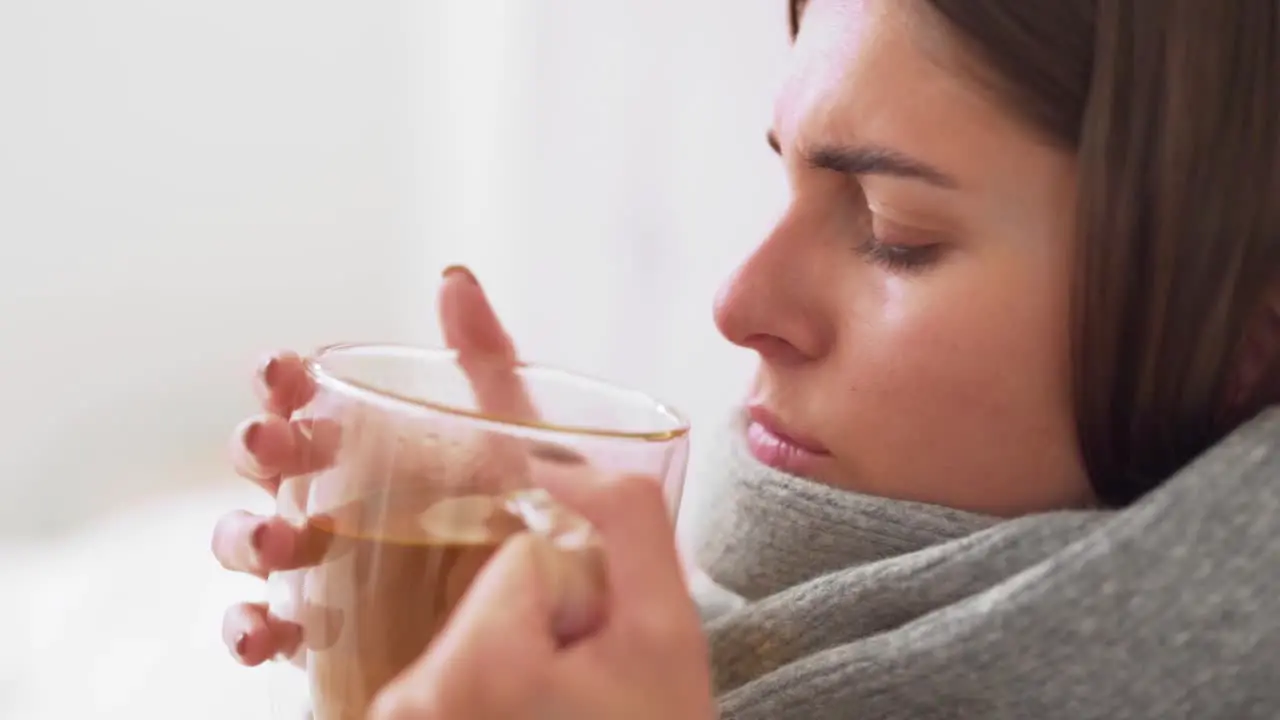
(872, 160)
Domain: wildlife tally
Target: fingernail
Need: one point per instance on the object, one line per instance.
(287, 638)
(555, 453)
(578, 587)
(268, 371)
(242, 644)
(251, 436)
(461, 271)
(573, 622)
(273, 549)
(258, 539)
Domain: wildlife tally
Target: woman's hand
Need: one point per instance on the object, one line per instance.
(530, 640)
(534, 639)
(504, 655)
(273, 446)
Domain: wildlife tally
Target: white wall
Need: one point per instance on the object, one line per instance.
(185, 184)
(643, 172)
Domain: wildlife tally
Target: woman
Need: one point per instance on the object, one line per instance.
(1028, 275)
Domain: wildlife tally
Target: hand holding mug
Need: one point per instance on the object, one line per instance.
(401, 473)
(275, 445)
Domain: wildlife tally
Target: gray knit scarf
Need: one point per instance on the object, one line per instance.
(847, 606)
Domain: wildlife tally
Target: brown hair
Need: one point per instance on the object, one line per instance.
(1172, 108)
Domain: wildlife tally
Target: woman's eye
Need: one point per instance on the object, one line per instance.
(899, 258)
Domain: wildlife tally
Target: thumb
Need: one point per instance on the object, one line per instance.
(485, 351)
(493, 655)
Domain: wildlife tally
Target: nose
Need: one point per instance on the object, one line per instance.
(772, 302)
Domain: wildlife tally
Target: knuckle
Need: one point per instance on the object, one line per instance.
(247, 442)
(275, 367)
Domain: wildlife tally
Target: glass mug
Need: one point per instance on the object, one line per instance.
(420, 467)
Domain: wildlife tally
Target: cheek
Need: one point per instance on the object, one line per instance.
(931, 331)
(975, 371)
(971, 350)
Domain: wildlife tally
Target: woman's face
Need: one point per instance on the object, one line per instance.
(910, 309)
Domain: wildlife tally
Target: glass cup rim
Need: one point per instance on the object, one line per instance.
(314, 364)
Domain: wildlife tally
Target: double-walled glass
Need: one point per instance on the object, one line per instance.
(420, 467)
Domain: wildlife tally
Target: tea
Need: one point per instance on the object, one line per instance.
(395, 565)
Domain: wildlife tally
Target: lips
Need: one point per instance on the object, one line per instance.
(770, 423)
(774, 446)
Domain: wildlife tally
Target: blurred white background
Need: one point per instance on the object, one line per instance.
(186, 185)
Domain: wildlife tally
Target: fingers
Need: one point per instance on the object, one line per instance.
(282, 383)
(267, 447)
(468, 320)
(258, 446)
(254, 636)
(248, 543)
(507, 614)
(633, 525)
(485, 351)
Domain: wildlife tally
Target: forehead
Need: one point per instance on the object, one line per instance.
(880, 72)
